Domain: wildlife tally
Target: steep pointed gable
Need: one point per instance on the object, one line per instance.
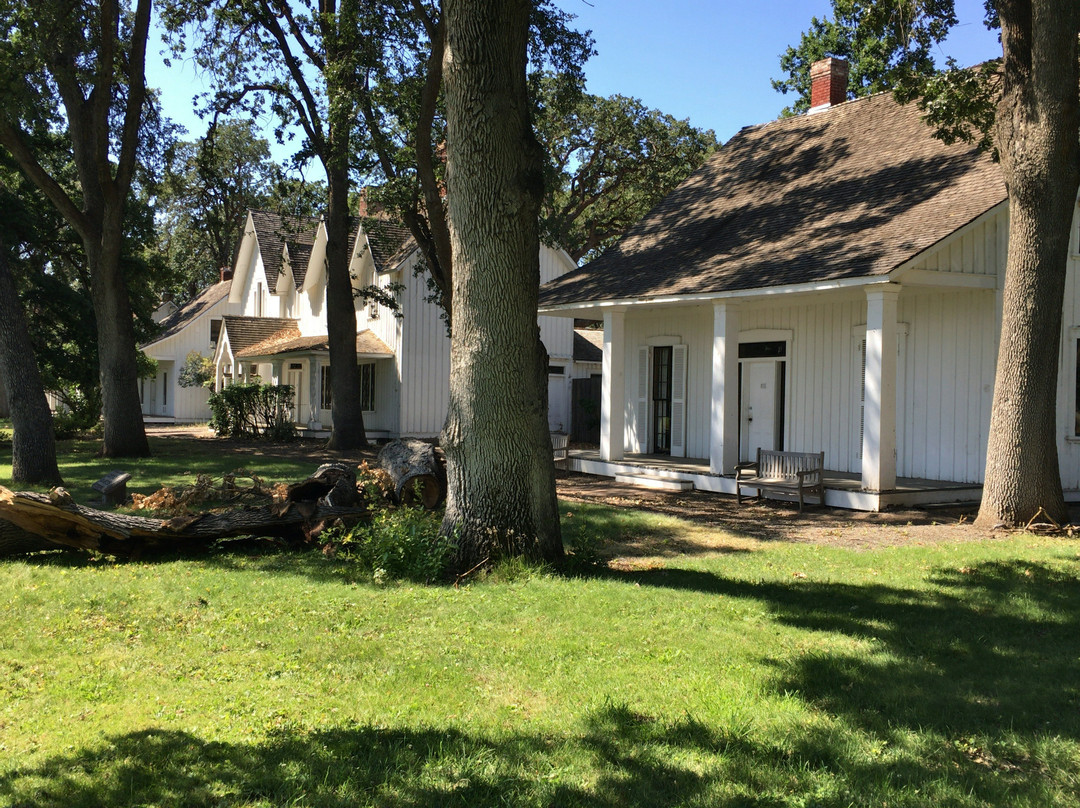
(274, 234)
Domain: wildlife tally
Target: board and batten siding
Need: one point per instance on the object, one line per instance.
(977, 249)
(948, 355)
(424, 358)
(557, 336)
(1067, 405)
(185, 403)
(693, 327)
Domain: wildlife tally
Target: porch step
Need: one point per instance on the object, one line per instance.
(655, 482)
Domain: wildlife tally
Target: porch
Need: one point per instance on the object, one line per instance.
(842, 489)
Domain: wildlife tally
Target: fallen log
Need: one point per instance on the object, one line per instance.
(60, 520)
(417, 473)
(14, 541)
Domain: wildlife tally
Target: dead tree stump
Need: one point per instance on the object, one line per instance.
(417, 472)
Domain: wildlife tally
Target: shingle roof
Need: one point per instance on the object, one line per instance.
(588, 345)
(390, 242)
(179, 319)
(367, 344)
(299, 258)
(273, 231)
(852, 191)
(247, 331)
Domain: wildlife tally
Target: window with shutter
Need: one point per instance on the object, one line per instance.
(678, 401)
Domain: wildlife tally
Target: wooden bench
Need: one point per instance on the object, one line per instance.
(792, 473)
(560, 448)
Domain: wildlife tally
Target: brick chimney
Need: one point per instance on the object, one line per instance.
(828, 83)
(225, 273)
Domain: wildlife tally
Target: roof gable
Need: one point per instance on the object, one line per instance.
(275, 234)
(192, 311)
(853, 191)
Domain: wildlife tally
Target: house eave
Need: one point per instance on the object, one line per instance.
(761, 292)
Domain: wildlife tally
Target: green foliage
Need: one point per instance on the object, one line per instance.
(399, 544)
(887, 43)
(197, 371)
(610, 161)
(253, 411)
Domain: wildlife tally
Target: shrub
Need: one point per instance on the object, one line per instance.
(399, 544)
(253, 411)
(197, 371)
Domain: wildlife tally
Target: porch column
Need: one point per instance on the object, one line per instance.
(314, 390)
(613, 387)
(275, 372)
(879, 402)
(724, 437)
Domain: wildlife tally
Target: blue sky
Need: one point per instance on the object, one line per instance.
(707, 60)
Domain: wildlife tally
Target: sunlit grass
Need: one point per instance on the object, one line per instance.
(747, 673)
(173, 461)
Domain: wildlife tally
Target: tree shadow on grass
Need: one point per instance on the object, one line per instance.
(615, 758)
(983, 650)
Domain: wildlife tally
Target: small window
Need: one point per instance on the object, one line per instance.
(258, 300)
(326, 400)
(253, 370)
(215, 331)
(556, 370)
(367, 387)
(296, 366)
(762, 350)
(164, 389)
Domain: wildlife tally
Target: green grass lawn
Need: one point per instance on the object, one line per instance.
(173, 461)
(767, 675)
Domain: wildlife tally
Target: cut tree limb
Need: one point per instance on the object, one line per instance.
(65, 523)
(416, 470)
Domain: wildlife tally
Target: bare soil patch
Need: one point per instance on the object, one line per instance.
(770, 520)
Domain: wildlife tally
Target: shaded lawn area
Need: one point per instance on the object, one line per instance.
(750, 674)
(178, 460)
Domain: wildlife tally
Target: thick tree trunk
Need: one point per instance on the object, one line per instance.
(125, 435)
(501, 478)
(33, 448)
(1037, 122)
(348, 430)
(414, 468)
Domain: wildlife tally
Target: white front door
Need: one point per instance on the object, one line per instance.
(759, 408)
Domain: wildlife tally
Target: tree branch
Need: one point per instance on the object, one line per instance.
(12, 139)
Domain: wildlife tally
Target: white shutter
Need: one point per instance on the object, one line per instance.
(642, 419)
(861, 359)
(678, 401)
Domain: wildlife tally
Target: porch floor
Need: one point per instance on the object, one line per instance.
(842, 489)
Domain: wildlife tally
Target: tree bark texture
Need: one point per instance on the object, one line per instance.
(500, 473)
(348, 429)
(33, 447)
(125, 435)
(58, 520)
(1036, 130)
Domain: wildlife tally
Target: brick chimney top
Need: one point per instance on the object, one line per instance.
(828, 83)
(225, 273)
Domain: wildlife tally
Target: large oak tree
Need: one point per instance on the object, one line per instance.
(501, 498)
(78, 67)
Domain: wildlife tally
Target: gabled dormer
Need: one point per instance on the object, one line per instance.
(269, 255)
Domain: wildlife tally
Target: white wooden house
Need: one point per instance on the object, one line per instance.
(193, 327)
(830, 282)
(279, 282)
